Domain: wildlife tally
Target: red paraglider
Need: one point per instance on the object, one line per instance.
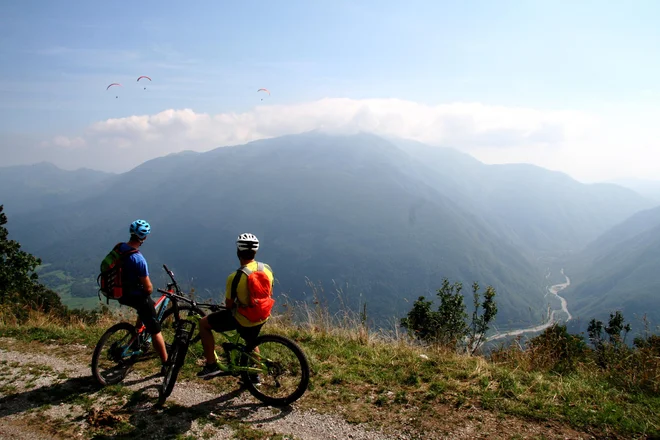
(114, 84)
(143, 77)
(264, 90)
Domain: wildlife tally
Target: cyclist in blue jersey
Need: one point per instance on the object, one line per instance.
(138, 287)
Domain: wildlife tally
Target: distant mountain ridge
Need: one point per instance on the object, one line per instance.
(381, 220)
(27, 187)
(619, 271)
(534, 202)
(645, 187)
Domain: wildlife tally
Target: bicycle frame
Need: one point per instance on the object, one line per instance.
(164, 300)
(232, 367)
(142, 334)
(250, 365)
(232, 342)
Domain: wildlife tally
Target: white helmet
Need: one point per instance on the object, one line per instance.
(247, 242)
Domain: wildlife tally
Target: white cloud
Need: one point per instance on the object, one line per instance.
(69, 142)
(587, 146)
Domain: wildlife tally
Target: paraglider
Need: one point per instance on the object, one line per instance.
(143, 77)
(114, 84)
(264, 90)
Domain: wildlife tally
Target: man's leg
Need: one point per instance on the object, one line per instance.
(250, 334)
(219, 321)
(208, 341)
(159, 346)
(147, 314)
(137, 305)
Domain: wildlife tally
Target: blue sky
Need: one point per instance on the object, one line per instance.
(210, 56)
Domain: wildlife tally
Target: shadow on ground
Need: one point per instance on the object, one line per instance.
(139, 415)
(142, 417)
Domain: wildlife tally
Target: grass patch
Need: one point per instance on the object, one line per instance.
(385, 382)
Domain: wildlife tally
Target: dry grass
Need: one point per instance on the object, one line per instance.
(389, 380)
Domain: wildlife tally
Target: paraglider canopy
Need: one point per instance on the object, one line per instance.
(114, 84)
(264, 90)
(139, 78)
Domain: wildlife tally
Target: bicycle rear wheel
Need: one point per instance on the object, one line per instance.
(283, 370)
(109, 366)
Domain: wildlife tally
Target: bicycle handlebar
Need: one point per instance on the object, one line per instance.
(179, 296)
(169, 272)
(213, 307)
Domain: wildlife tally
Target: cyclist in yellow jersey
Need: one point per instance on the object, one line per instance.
(230, 319)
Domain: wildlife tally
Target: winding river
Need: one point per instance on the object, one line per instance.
(553, 290)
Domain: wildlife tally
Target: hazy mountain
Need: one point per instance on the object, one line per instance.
(619, 271)
(382, 221)
(347, 211)
(547, 211)
(647, 188)
(31, 187)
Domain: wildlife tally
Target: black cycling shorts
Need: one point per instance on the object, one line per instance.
(223, 321)
(146, 310)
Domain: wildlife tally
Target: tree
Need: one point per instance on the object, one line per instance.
(422, 322)
(448, 326)
(19, 286)
(16, 266)
(609, 352)
(613, 329)
(481, 323)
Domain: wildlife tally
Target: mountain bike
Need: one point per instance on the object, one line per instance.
(278, 362)
(122, 345)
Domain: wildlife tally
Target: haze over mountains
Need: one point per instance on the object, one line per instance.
(383, 220)
(32, 187)
(647, 188)
(619, 271)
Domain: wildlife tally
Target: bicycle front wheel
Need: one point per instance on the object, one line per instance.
(109, 366)
(279, 370)
(177, 357)
(168, 321)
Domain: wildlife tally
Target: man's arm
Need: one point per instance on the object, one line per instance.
(229, 303)
(143, 274)
(147, 287)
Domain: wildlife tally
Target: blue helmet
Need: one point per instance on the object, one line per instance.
(140, 228)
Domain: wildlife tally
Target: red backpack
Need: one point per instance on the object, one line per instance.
(261, 293)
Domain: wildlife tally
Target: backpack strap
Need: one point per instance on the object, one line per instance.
(128, 252)
(234, 283)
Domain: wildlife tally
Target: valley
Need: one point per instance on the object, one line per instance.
(552, 316)
(346, 221)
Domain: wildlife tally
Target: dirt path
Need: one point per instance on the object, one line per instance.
(47, 392)
(45, 384)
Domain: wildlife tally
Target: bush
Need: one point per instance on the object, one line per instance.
(557, 350)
